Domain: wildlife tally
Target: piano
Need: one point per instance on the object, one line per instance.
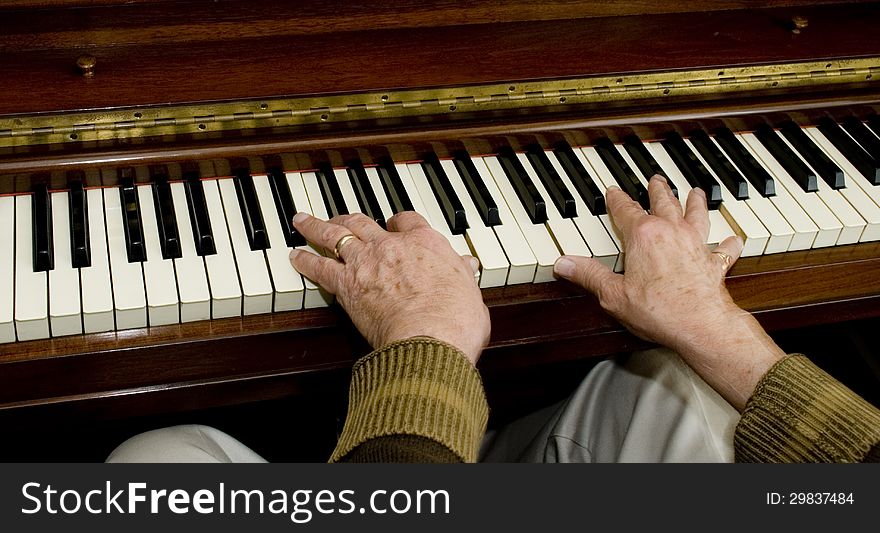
(152, 153)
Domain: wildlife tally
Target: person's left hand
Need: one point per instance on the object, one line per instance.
(397, 284)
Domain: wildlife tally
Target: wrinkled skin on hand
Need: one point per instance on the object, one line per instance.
(397, 284)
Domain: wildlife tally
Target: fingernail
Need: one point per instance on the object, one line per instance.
(612, 188)
(475, 264)
(564, 267)
(659, 177)
(299, 217)
(700, 191)
(294, 253)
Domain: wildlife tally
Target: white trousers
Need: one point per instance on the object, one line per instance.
(649, 407)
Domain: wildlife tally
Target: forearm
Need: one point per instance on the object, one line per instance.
(732, 356)
(414, 400)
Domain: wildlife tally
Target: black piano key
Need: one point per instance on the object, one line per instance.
(526, 191)
(553, 184)
(449, 202)
(580, 178)
(254, 224)
(41, 214)
(623, 175)
(80, 251)
(726, 172)
(364, 192)
(393, 185)
(169, 237)
(333, 199)
(284, 206)
(799, 172)
(748, 165)
(646, 163)
(200, 219)
(131, 213)
(828, 171)
(692, 168)
(850, 149)
(869, 142)
(483, 200)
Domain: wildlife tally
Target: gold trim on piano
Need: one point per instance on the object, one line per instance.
(597, 90)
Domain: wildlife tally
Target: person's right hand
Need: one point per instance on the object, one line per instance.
(673, 289)
(397, 284)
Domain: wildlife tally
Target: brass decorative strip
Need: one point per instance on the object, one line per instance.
(213, 117)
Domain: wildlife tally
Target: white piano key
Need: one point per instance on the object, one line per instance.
(805, 230)
(347, 190)
(127, 279)
(828, 225)
(312, 203)
(594, 165)
(254, 275)
(97, 290)
(522, 261)
(7, 269)
(565, 233)
(493, 262)
(189, 268)
(593, 231)
(163, 304)
(286, 282)
(31, 288)
(853, 224)
(740, 217)
(719, 228)
(379, 191)
(858, 191)
(537, 235)
(223, 280)
(432, 212)
(65, 309)
(410, 188)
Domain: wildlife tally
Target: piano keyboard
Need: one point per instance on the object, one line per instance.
(173, 244)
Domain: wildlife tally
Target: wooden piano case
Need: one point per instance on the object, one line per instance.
(94, 84)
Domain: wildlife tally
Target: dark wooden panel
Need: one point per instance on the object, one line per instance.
(149, 73)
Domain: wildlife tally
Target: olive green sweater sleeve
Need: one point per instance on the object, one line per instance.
(417, 400)
(799, 413)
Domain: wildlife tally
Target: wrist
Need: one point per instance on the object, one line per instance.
(469, 349)
(733, 356)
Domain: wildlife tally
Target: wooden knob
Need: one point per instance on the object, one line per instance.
(86, 65)
(799, 23)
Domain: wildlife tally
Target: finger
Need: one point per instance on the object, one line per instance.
(728, 252)
(363, 227)
(591, 275)
(325, 234)
(696, 213)
(322, 270)
(406, 221)
(623, 210)
(472, 263)
(663, 203)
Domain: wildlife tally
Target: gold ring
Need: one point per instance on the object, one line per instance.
(724, 257)
(337, 250)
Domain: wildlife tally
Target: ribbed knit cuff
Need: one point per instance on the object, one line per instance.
(799, 413)
(418, 386)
